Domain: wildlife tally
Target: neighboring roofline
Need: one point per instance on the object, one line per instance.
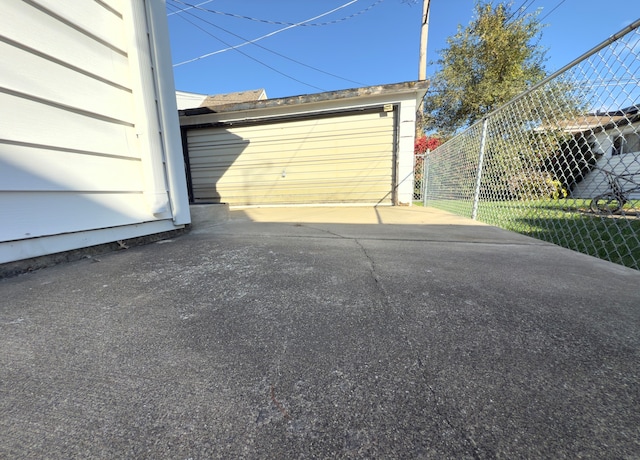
(395, 88)
(631, 110)
(595, 122)
(622, 122)
(237, 97)
(610, 124)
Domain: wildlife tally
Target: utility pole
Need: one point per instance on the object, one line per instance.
(422, 64)
(424, 36)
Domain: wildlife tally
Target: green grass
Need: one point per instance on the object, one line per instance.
(568, 223)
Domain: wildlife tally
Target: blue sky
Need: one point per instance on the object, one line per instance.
(367, 42)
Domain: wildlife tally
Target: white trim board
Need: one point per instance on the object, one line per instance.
(11, 251)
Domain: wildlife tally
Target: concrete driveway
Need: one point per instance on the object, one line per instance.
(324, 333)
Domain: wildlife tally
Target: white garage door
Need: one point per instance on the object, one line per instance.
(346, 158)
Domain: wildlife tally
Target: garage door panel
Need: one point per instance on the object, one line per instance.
(274, 177)
(309, 132)
(312, 131)
(295, 172)
(328, 123)
(330, 156)
(377, 142)
(302, 187)
(214, 159)
(339, 159)
(328, 182)
(281, 145)
(330, 192)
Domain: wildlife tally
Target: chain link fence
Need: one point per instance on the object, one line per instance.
(560, 162)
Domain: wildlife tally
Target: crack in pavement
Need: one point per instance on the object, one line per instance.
(372, 263)
(467, 439)
(374, 273)
(462, 432)
(324, 230)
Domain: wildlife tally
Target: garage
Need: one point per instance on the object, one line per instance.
(330, 159)
(317, 149)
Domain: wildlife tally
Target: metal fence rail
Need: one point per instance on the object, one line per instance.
(560, 162)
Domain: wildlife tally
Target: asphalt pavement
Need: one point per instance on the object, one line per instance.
(324, 333)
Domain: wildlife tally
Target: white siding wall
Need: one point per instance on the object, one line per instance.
(81, 144)
(627, 163)
(406, 139)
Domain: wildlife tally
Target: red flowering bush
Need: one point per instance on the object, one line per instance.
(424, 143)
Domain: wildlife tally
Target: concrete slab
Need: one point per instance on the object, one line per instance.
(303, 334)
(204, 216)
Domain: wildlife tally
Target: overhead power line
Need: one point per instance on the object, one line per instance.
(279, 23)
(247, 55)
(270, 51)
(519, 12)
(182, 10)
(265, 36)
(554, 8)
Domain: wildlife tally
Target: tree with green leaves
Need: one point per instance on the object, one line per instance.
(485, 65)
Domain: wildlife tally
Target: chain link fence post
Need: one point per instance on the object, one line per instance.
(425, 177)
(476, 194)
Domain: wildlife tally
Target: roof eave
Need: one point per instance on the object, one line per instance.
(416, 87)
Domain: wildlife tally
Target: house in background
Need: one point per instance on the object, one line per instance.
(350, 146)
(614, 138)
(90, 148)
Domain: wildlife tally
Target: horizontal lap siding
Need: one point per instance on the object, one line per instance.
(32, 123)
(343, 159)
(71, 89)
(596, 182)
(50, 213)
(69, 156)
(32, 28)
(40, 168)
